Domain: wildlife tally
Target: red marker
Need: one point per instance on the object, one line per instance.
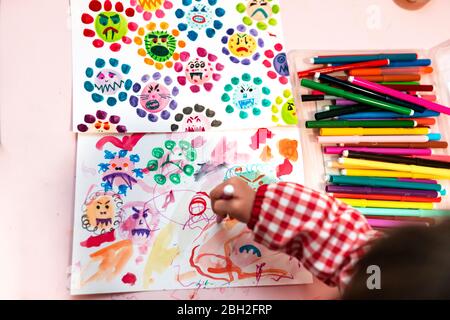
(326, 70)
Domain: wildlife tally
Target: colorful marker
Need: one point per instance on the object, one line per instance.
(386, 115)
(362, 124)
(386, 71)
(385, 174)
(400, 95)
(390, 151)
(356, 97)
(431, 144)
(368, 93)
(385, 197)
(396, 159)
(381, 182)
(228, 193)
(362, 58)
(359, 139)
(363, 203)
(405, 212)
(368, 64)
(373, 131)
(388, 191)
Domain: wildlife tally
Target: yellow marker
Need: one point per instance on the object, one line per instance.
(337, 165)
(387, 174)
(363, 203)
(373, 131)
(444, 173)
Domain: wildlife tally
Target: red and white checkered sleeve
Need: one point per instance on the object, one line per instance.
(327, 236)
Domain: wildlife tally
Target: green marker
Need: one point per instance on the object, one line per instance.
(382, 182)
(404, 212)
(356, 97)
(362, 124)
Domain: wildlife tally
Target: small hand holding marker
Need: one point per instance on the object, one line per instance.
(233, 198)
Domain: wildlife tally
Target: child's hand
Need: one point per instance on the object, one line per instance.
(237, 207)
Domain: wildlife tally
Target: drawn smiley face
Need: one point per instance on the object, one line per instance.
(199, 71)
(111, 26)
(160, 45)
(259, 10)
(155, 97)
(242, 45)
(288, 112)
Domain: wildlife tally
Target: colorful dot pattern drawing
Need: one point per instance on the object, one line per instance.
(242, 45)
(246, 94)
(259, 12)
(100, 123)
(196, 119)
(199, 16)
(156, 58)
(200, 71)
(284, 110)
(154, 97)
(106, 81)
(108, 24)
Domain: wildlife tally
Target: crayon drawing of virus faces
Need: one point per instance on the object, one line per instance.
(284, 109)
(200, 15)
(158, 47)
(241, 45)
(108, 82)
(200, 71)
(246, 94)
(260, 12)
(108, 24)
(276, 62)
(150, 7)
(154, 97)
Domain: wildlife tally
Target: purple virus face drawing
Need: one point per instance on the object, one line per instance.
(141, 223)
(119, 172)
(199, 71)
(154, 97)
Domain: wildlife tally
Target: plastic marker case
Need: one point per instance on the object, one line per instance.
(314, 159)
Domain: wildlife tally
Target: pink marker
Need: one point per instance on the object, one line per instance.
(399, 95)
(228, 193)
(391, 151)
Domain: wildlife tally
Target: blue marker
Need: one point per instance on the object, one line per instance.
(387, 115)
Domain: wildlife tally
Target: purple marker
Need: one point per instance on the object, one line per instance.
(385, 191)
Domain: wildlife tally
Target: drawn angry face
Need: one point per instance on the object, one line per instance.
(196, 123)
(246, 96)
(160, 45)
(199, 16)
(111, 26)
(198, 71)
(108, 82)
(101, 213)
(242, 44)
(155, 97)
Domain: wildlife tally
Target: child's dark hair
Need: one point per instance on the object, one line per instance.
(414, 263)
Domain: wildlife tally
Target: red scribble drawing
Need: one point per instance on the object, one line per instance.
(239, 258)
(126, 143)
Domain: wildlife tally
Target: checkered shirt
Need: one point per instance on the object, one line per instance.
(327, 236)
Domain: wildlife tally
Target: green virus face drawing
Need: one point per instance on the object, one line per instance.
(111, 26)
(160, 45)
(285, 107)
(172, 161)
(246, 94)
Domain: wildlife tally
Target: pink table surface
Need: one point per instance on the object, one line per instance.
(37, 152)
